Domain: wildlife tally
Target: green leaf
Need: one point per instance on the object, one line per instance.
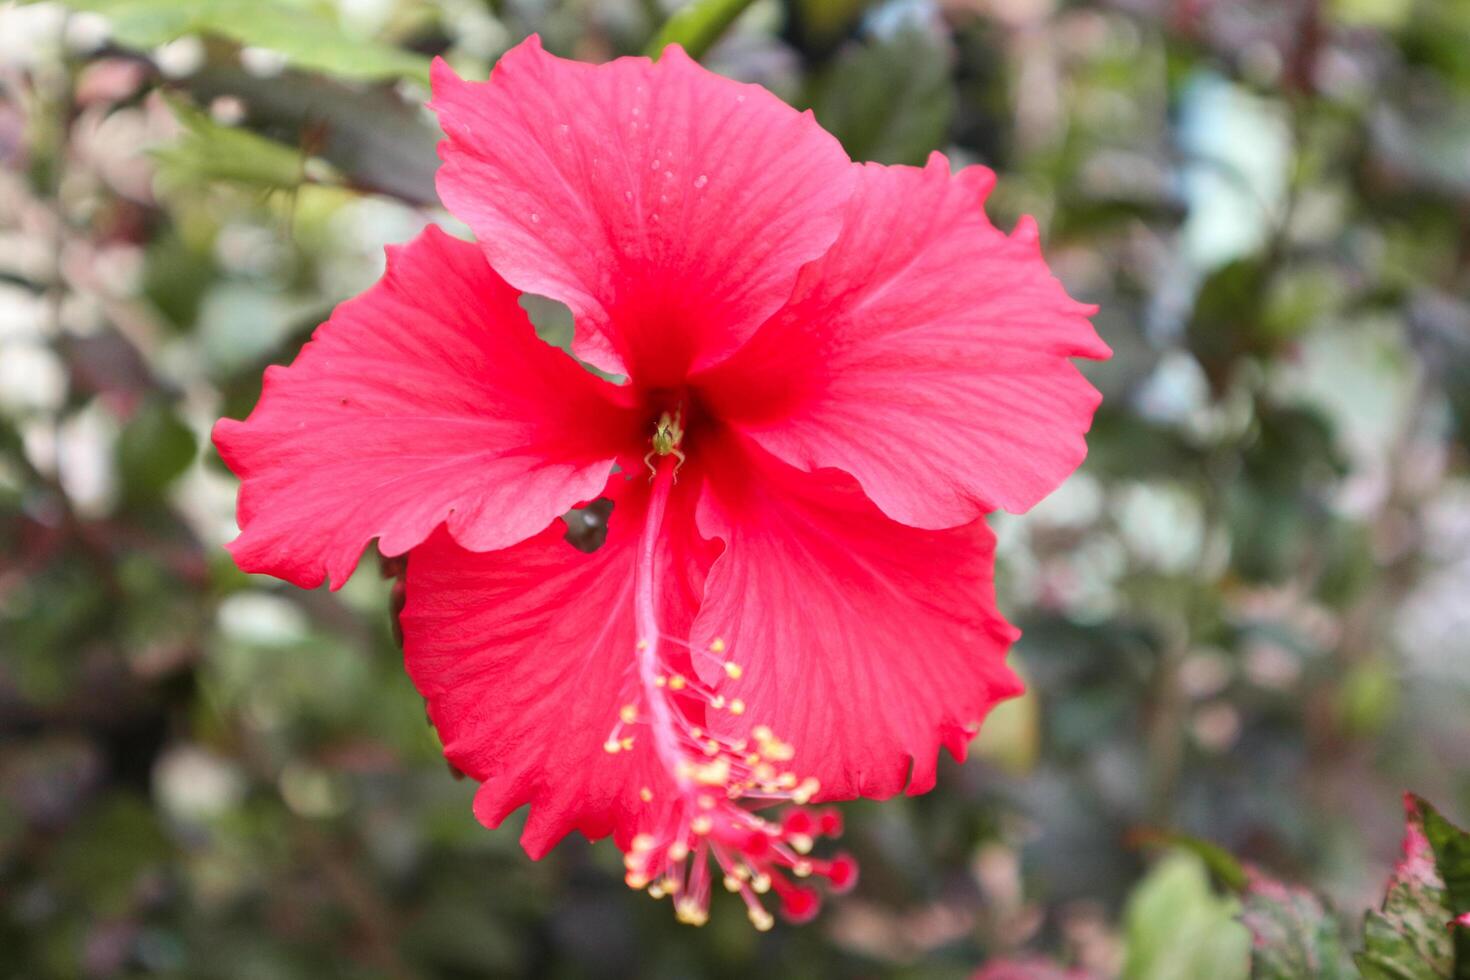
(1176, 926)
(889, 99)
(105, 861)
(697, 26)
(374, 139)
(1373, 13)
(304, 32)
(152, 451)
(823, 20)
(1409, 937)
(1368, 697)
(1293, 934)
(1451, 847)
(1220, 862)
(208, 151)
(1224, 326)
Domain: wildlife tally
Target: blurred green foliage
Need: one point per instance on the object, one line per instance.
(305, 33)
(696, 26)
(1409, 937)
(1294, 934)
(209, 151)
(1177, 927)
(1244, 617)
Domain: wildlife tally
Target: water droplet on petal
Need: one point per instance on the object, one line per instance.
(700, 181)
(627, 195)
(657, 164)
(668, 175)
(535, 218)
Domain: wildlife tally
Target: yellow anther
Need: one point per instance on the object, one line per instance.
(711, 748)
(732, 670)
(628, 714)
(802, 869)
(678, 851)
(646, 795)
(671, 886)
(761, 919)
(611, 746)
(706, 802)
(787, 780)
(732, 883)
(737, 707)
(660, 681)
(753, 758)
(627, 743)
(801, 843)
(656, 890)
(718, 702)
(762, 733)
(715, 773)
(765, 772)
(636, 881)
(689, 912)
(676, 683)
(760, 884)
(696, 733)
(643, 644)
(701, 825)
(808, 788)
(718, 646)
(644, 842)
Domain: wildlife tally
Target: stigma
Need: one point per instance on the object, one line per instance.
(711, 822)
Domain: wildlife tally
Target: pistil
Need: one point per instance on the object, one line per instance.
(715, 781)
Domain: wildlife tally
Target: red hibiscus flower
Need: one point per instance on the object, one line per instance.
(834, 372)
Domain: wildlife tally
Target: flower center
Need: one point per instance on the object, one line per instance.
(715, 781)
(668, 436)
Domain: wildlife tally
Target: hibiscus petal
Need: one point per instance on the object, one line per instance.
(926, 354)
(864, 643)
(427, 398)
(526, 657)
(670, 208)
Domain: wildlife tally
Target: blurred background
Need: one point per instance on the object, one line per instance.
(1246, 617)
